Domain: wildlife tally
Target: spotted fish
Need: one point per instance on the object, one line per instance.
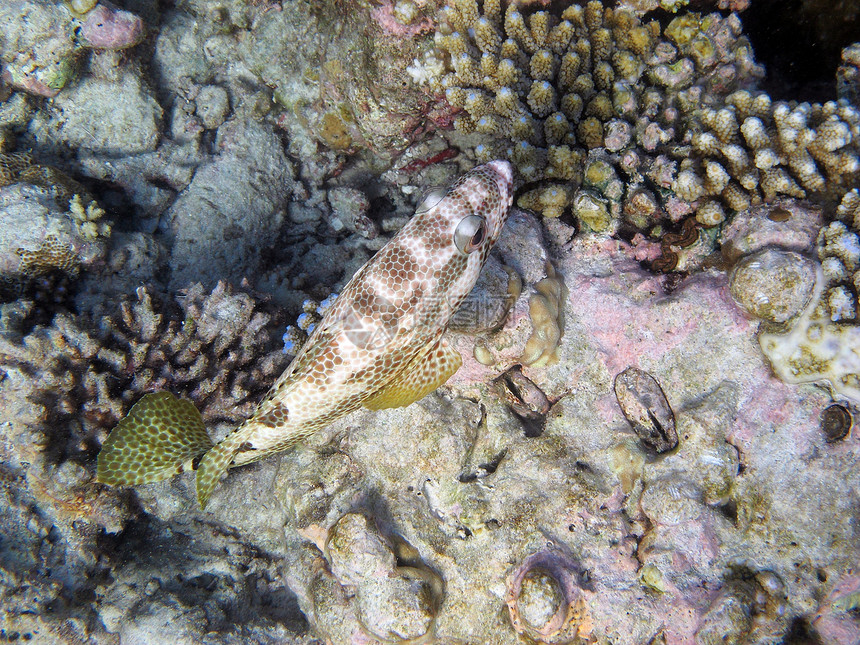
(380, 345)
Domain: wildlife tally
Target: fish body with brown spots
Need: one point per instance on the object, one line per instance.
(380, 345)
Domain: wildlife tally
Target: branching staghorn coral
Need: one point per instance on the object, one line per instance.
(582, 99)
(217, 349)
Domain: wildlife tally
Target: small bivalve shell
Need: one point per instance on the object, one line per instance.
(526, 400)
(545, 602)
(836, 421)
(773, 284)
(646, 409)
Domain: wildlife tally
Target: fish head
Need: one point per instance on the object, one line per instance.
(456, 228)
(454, 231)
(471, 213)
(405, 295)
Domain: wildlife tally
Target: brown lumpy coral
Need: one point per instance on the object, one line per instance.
(676, 111)
(217, 349)
(549, 87)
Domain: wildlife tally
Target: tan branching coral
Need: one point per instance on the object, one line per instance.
(849, 209)
(218, 349)
(675, 111)
(839, 253)
(754, 150)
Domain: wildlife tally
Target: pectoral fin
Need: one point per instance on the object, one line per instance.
(424, 374)
(158, 435)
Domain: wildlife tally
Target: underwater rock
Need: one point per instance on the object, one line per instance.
(220, 224)
(486, 307)
(728, 619)
(108, 27)
(40, 235)
(362, 97)
(394, 603)
(773, 285)
(456, 478)
(816, 350)
(747, 529)
(789, 225)
(45, 48)
(107, 117)
(38, 52)
(350, 207)
(212, 105)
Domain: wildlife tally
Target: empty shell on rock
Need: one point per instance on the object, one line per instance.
(646, 409)
(545, 601)
(836, 421)
(525, 399)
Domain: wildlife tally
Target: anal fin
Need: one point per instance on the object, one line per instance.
(421, 376)
(158, 435)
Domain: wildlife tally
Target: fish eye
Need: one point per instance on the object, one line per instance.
(470, 233)
(431, 198)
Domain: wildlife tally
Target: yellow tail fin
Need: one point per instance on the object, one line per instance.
(159, 434)
(214, 464)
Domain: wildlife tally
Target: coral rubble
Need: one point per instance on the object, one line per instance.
(47, 38)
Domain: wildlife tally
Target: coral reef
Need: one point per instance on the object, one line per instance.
(218, 349)
(64, 385)
(48, 223)
(589, 78)
(519, 502)
(675, 114)
(848, 75)
(47, 38)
